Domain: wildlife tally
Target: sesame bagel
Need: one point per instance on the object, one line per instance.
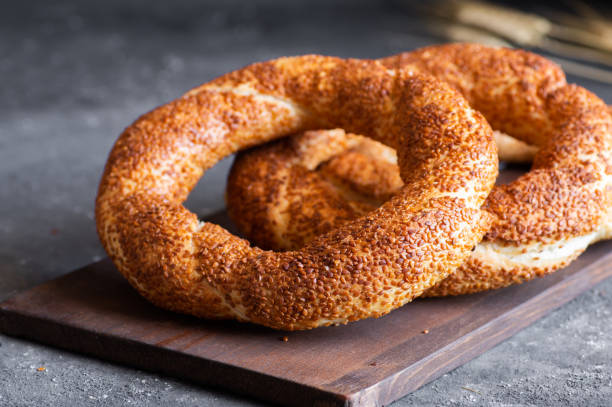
(543, 220)
(364, 268)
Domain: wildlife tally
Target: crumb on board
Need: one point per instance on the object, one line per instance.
(285, 339)
(425, 331)
(472, 390)
(41, 369)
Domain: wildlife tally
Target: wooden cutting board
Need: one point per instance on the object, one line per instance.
(372, 362)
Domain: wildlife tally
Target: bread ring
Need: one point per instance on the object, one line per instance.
(544, 219)
(365, 268)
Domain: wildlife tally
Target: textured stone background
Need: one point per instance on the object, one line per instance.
(75, 73)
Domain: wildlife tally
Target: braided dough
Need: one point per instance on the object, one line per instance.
(365, 268)
(543, 220)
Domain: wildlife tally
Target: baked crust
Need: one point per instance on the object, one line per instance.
(364, 268)
(543, 220)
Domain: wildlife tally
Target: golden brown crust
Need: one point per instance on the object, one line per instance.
(364, 268)
(544, 219)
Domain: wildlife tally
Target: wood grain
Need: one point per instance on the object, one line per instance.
(372, 362)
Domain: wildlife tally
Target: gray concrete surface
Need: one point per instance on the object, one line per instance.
(74, 74)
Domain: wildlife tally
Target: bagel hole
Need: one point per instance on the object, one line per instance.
(509, 172)
(207, 198)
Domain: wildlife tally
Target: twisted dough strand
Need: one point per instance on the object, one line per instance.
(544, 219)
(366, 267)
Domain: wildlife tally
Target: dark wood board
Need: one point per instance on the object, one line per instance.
(94, 311)
(372, 362)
